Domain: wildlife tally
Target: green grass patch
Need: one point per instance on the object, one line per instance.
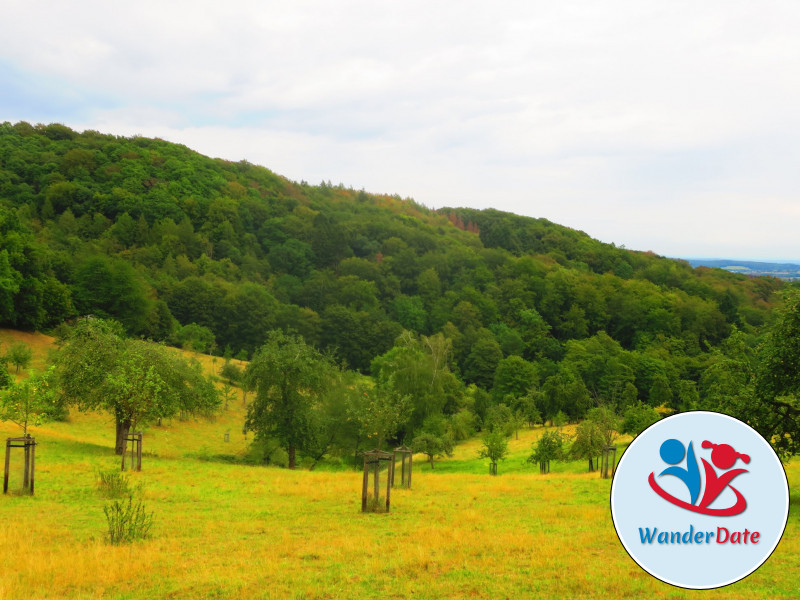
(225, 529)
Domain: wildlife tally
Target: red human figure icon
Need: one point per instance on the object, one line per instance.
(724, 457)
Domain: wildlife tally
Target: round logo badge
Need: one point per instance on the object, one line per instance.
(699, 500)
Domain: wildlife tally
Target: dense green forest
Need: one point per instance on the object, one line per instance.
(215, 255)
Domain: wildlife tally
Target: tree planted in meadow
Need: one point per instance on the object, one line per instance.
(418, 367)
(288, 376)
(29, 402)
(432, 445)
(589, 442)
(20, 355)
(549, 447)
(495, 448)
(137, 381)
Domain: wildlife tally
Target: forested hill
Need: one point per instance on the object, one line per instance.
(214, 254)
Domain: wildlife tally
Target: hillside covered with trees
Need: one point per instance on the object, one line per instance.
(498, 309)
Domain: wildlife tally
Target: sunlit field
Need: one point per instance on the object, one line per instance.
(229, 530)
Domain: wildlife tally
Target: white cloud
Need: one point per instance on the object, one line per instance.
(610, 116)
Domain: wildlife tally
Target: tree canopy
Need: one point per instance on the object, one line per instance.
(214, 256)
(137, 381)
(289, 376)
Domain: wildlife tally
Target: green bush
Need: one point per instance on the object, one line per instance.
(113, 484)
(127, 520)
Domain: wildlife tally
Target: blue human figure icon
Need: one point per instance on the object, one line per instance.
(672, 452)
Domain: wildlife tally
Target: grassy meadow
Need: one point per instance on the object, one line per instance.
(229, 530)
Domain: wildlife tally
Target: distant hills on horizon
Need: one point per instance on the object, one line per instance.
(781, 270)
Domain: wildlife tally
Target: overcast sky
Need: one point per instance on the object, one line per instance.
(670, 126)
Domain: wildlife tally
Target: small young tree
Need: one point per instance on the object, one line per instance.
(227, 394)
(549, 447)
(247, 385)
(495, 448)
(589, 442)
(432, 445)
(20, 355)
(29, 402)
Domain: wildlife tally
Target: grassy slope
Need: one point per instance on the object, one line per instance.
(232, 531)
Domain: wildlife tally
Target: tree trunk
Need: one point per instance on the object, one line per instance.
(292, 460)
(591, 466)
(123, 428)
(430, 457)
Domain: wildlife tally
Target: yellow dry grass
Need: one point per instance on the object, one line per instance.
(246, 532)
(40, 343)
(240, 532)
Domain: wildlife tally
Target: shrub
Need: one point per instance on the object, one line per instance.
(113, 484)
(549, 447)
(127, 520)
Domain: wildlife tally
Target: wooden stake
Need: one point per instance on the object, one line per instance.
(8, 458)
(33, 465)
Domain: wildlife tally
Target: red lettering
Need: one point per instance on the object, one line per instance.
(736, 537)
(720, 539)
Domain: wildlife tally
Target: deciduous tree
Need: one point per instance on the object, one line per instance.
(20, 355)
(137, 381)
(495, 448)
(288, 376)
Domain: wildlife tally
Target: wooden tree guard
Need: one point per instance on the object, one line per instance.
(492, 468)
(135, 440)
(372, 468)
(29, 445)
(544, 467)
(405, 475)
(607, 470)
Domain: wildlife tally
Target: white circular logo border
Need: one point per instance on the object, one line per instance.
(716, 585)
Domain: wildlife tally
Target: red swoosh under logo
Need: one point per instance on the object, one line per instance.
(737, 508)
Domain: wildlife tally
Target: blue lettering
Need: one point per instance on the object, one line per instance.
(722, 535)
(687, 537)
(647, 538)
